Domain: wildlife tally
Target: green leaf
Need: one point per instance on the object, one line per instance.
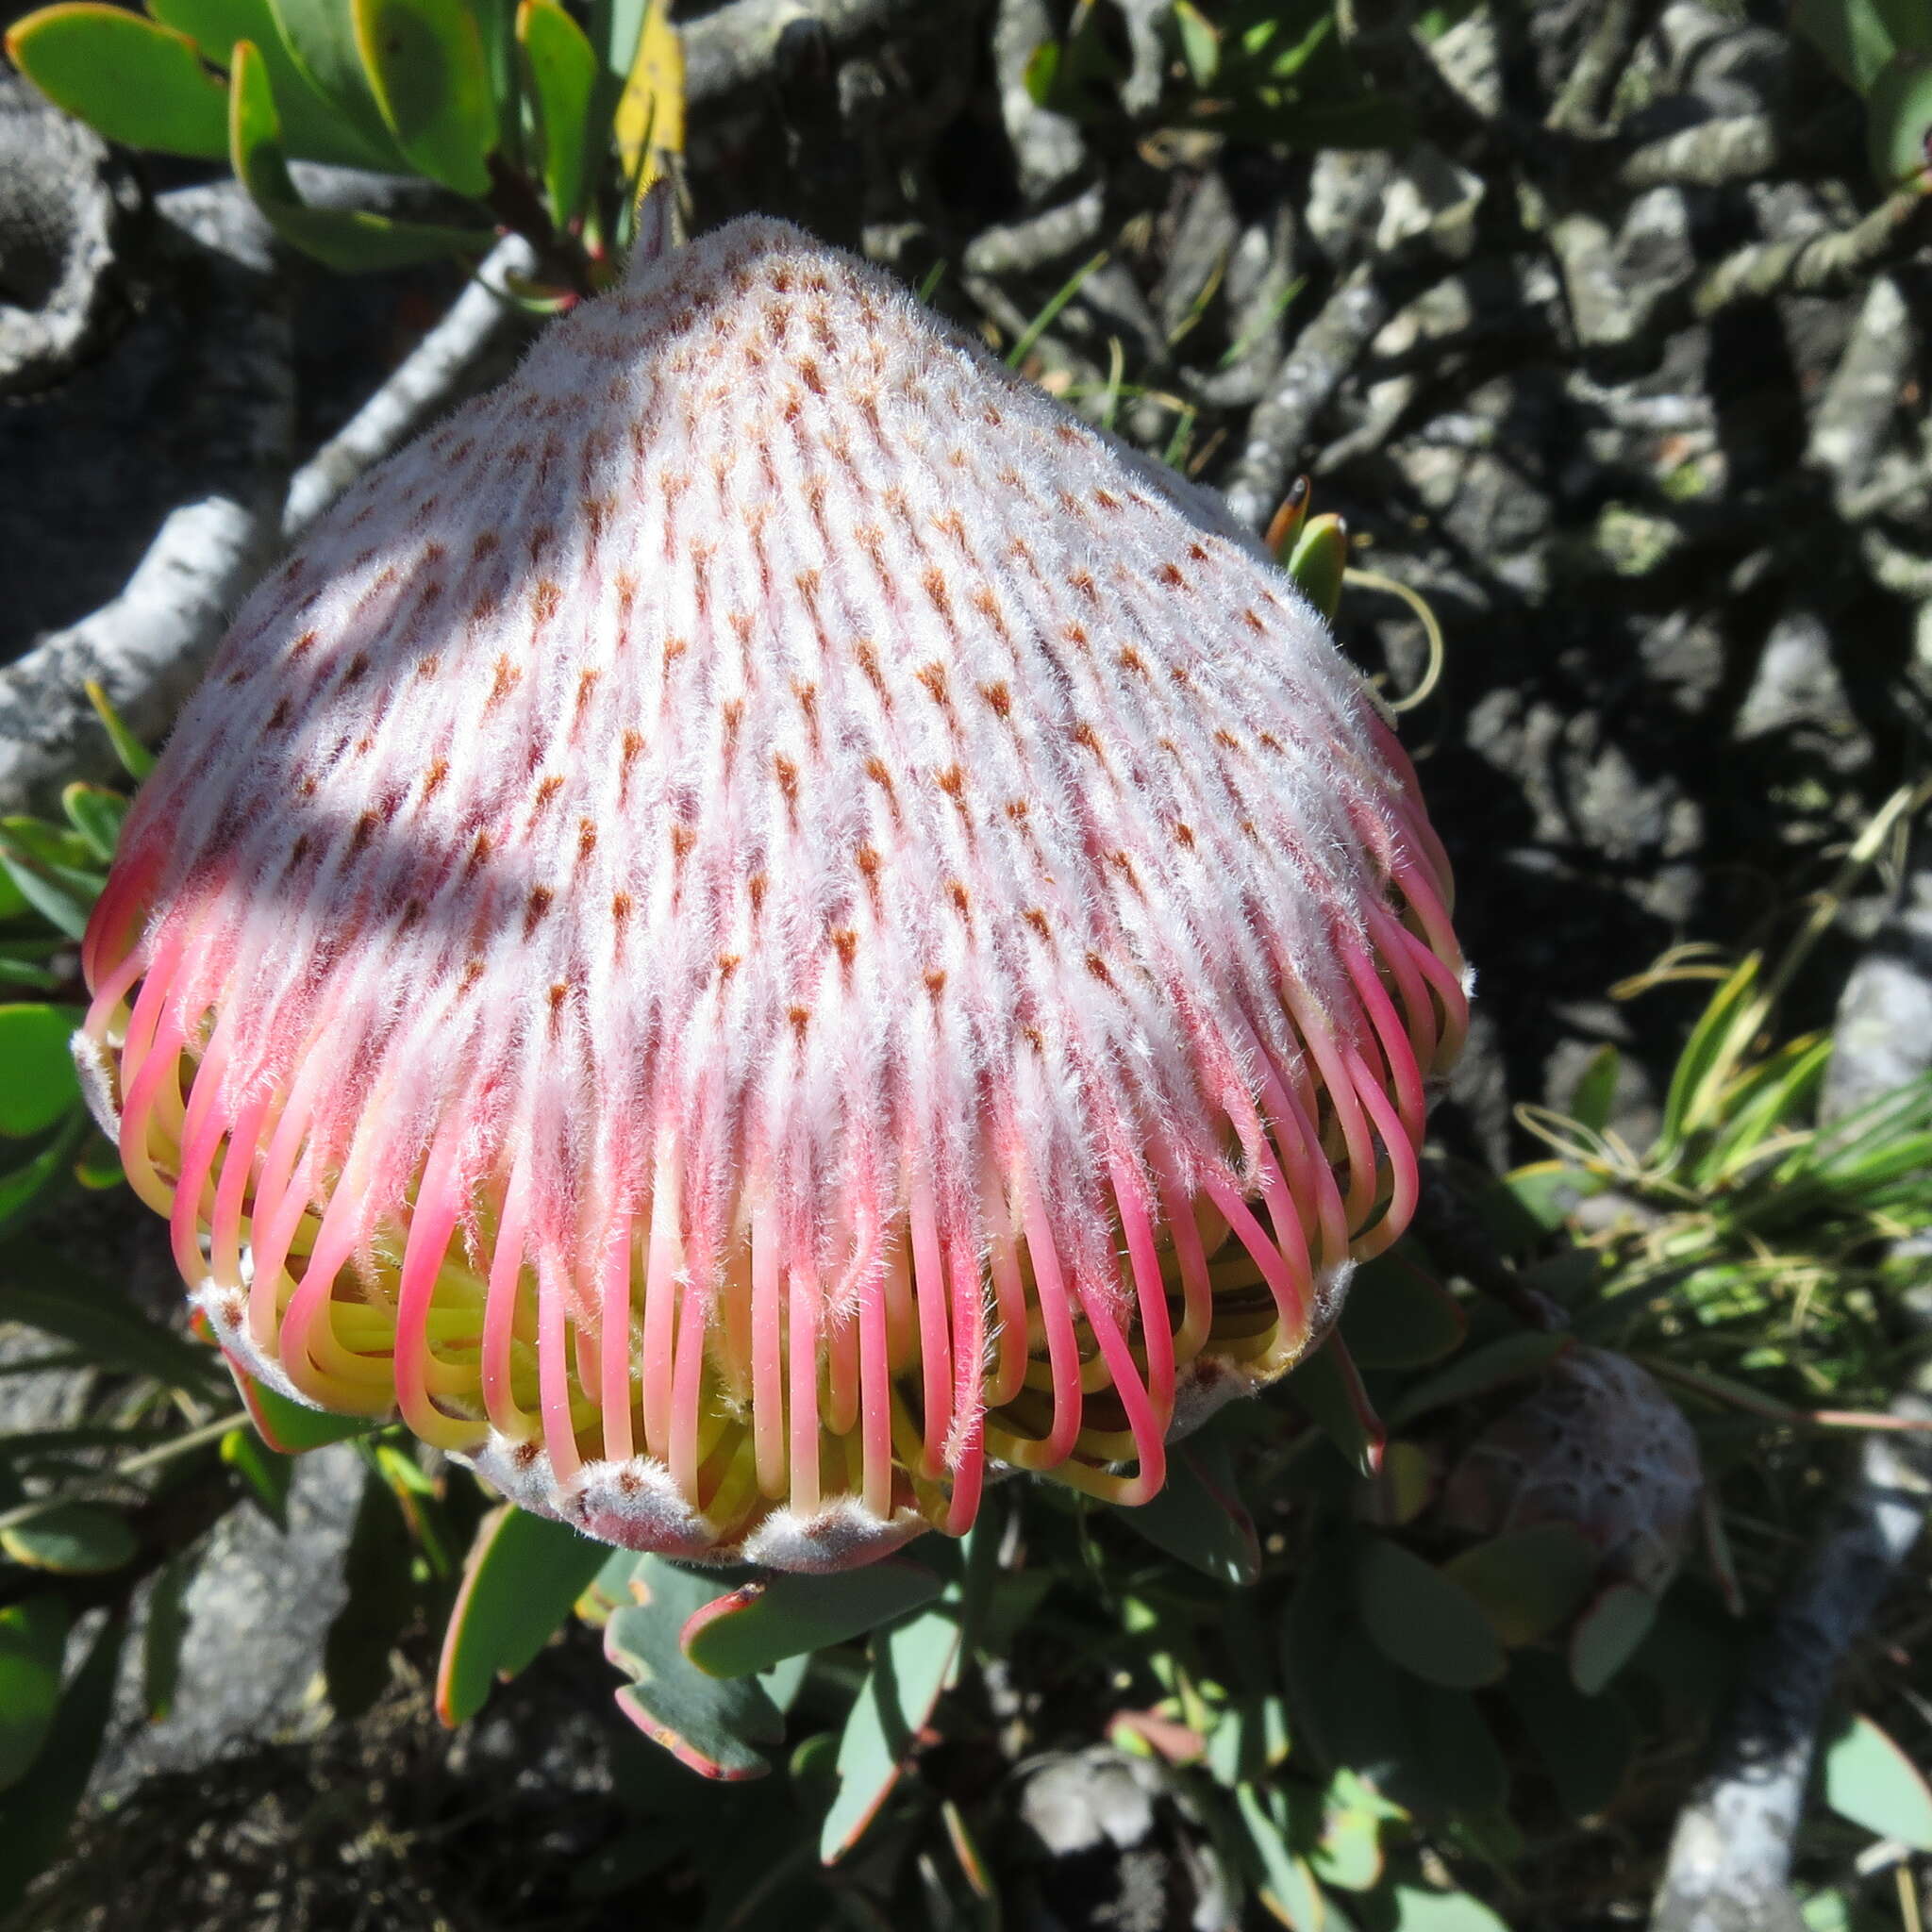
(562, 66)
(1287, 1884)
(1397, 1316)
(1585, 1744)
(1761, 1107)
(1325, 1387)
(33, 1640)
(909, 1664)
(381, 1600)
(315, 129)
(37, 1077)
(19, 960)
(1421, 1908)
(1606, 1633)
(96, 814)
(758, 1625)
(48, 844)
(496, 22)
(63, 895)
(1080, 76)
(1248, 1739)
(978, 1581)
(609, 1589)
(43, 1289)
(319, 40)
(719, 1726)
(290, 1428)
(1908, 23)
(162, 1635)
(1899, 119)
(264, 1473)
(1512, 1359)
(136, 759)
(130, 79)
(1344, 1695)
(1532, 1201)
(1349, 1851)
(427, 67)
(36, 1813)
(1318, 561)
(1851, 34)
(1837, 1909)
(1401, 1490)
(1200, 43)
(524, 1574)
(98, 1164)
(1528, 1581)
(39, 1088)
(1868, 1779)
(1724, 1030)
(1420, 1619)
(72, 1540)
(21, 1189)
(1199, 1514)
(346, 239)
(616, 33)
(1458, 1769)
(1596, 1090)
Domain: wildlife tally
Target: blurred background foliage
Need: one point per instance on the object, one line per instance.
(1433, 1637)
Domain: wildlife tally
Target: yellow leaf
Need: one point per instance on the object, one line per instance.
(651, 108)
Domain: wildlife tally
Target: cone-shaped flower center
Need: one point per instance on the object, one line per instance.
(765, 917)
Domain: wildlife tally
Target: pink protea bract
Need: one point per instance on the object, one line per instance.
(765, 918)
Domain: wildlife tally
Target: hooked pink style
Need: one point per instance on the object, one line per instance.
(765, 922)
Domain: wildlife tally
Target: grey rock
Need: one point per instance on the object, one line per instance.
(1797, 687)
(66, 209)
(1262, 270)
(1470, 59)
(1115, 1847)
(1099, 1797)
(1054, 235)
(1344, 199)
(1884, 1032)
(1048, 148)
(1616, 282)
(1478, 1085)
(1146, 21)
(259, 1611)
(32, 1399)
(1428, 189)
(222, 218)
(1866, 388)
(1730, 65)
(1206, 237)
(1493, 298)
(195, 402)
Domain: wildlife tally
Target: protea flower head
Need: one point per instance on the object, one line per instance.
(763, 919)
(1597, 1446)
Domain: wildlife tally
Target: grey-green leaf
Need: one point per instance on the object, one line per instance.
(33, 1639)
(1869, 1779)
(1608, 1633)
(1422, 1620)
(909, 1663)
(720, 1727)
(759, 1624)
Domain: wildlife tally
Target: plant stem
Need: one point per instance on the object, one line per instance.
(135, 1465)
